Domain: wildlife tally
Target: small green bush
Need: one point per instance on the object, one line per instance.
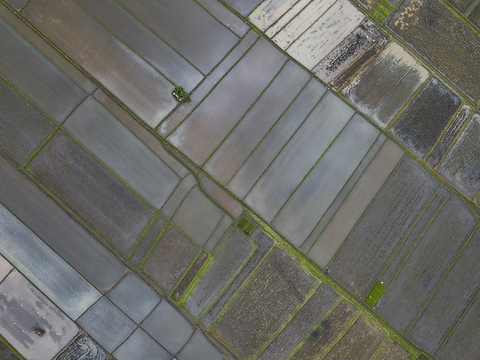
(180, 92)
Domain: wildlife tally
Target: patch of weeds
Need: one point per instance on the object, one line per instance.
(180, 93)
(375, 294)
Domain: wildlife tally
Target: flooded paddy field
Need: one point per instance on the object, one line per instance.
(453, 129)
(384, 86)
(435, 105)
(374, 239)
(461, 165)
(332, 230)
(461, 283)
(422, 24)
(420, 273)
(24, 127)
(65, 168)
(227, 260)
(301, 324)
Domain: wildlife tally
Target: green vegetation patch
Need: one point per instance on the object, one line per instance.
(386, 4)
(382, 10)
(242, 223)
(375, 294)
(249, 229)
(180, 93)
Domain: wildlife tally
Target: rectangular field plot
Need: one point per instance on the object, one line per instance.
(415, 231)
(300, 325)
(243, 139)
(170, 259)
(337, 223)
(34, 75)
(450, 299)
(326, 33)
(422, 24)
(360, 341)
(244, 7)
(461, 166)
(386, 84)
(349, 50)
(226, 262)
(269, 12)
(262, 245)
(474, 16)
(427, 263)
(276, 138)
(197, 216)
(144, 42)
(23, 127)
(285, 18)
(390, 350)
(326, 333)
(301, 213)
(92, 192)
(297, 158)
(277, 289)
(101, 54)
(57, 229)
(463, 342)
(147, 241)
(383, 226)
(435, 105)
(217, 115)
(122, 152)
(449, 135)
(461, 5)
(38, 262)
(203, 41)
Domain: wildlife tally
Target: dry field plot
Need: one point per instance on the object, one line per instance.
(455, 53)
(463, 342)
(301, 324)
(326, 333)
(226, 262)
(421, 124)
(262, 245)
(461, 165)
(385, 223)
(354, 47)
(274, 292)
(359, 342)
(435, 203)
(425, 266)
(318, 29)
(170, 258)
(390, 350)
(386, 84)
(450, 299)
(474, 16)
